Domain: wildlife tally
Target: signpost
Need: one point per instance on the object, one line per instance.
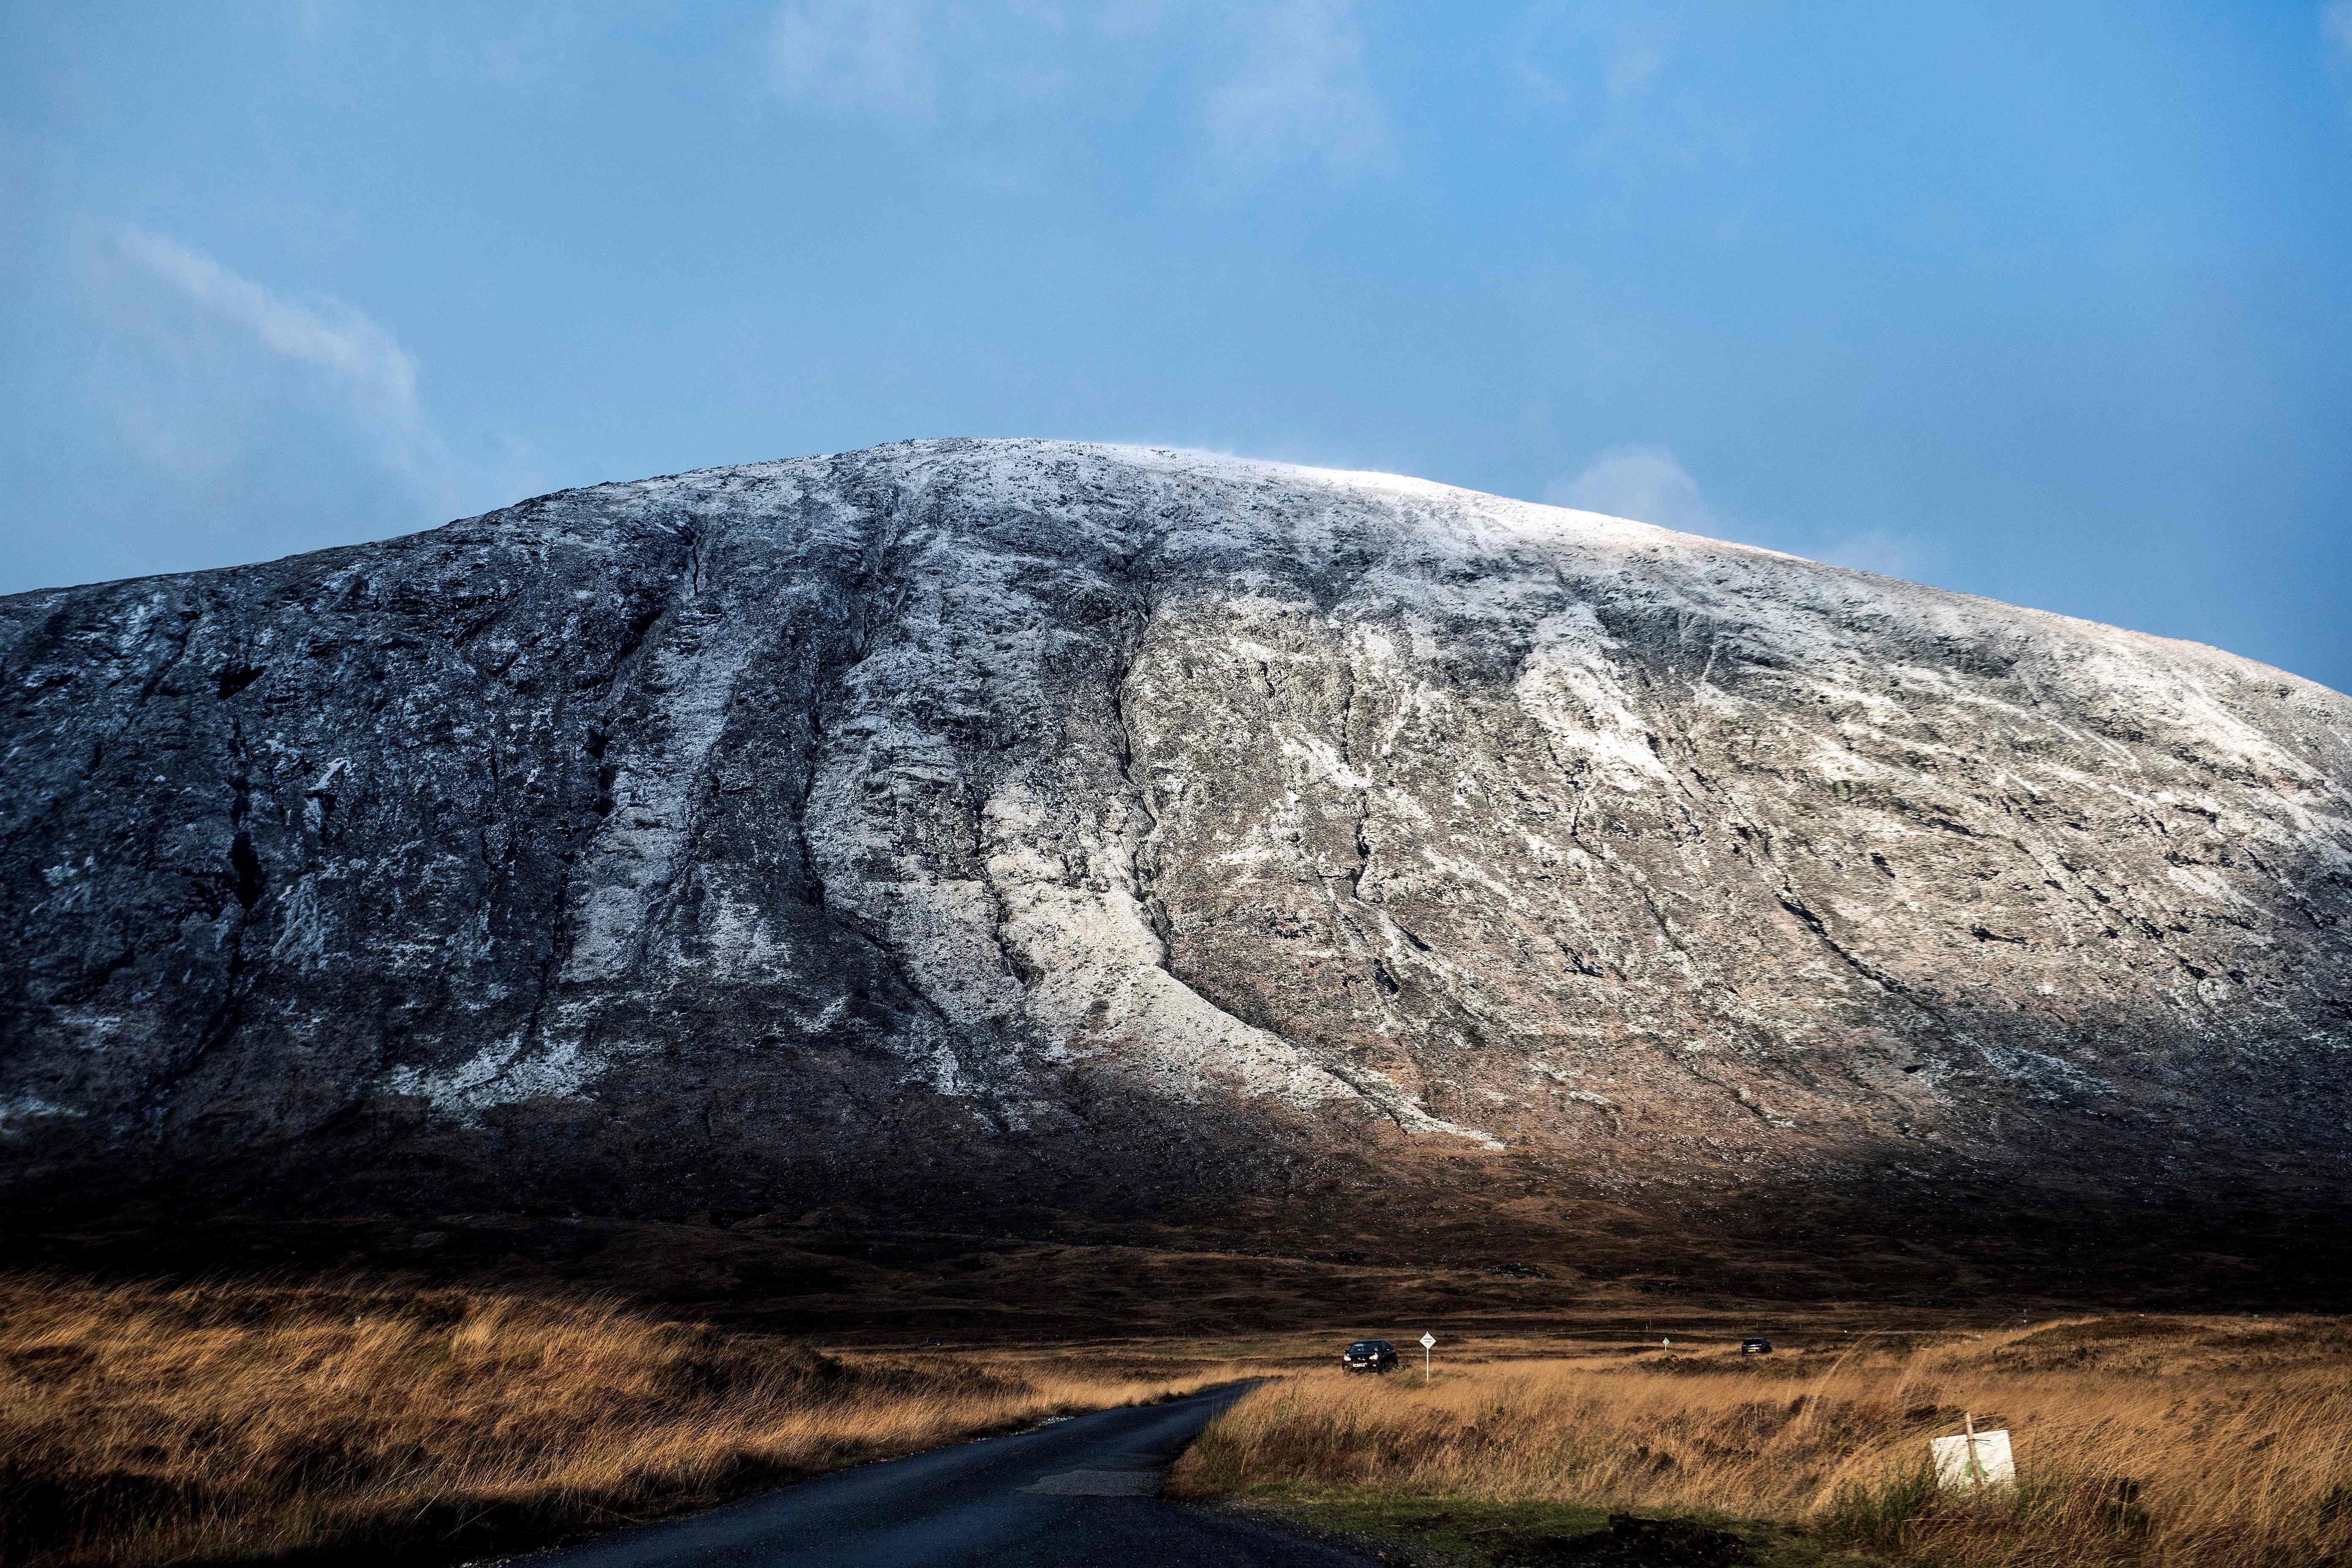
(1427, 1340)
(1974, 1459)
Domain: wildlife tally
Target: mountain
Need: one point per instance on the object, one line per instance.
(982, 824)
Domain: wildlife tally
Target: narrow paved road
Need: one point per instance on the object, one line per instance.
(1081, 1491)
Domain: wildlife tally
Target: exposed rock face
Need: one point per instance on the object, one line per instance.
(1020, 812)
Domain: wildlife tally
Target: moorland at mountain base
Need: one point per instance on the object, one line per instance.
(302, 1416)
(2146, 1441)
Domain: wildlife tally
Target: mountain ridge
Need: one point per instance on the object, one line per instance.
(1026, 817)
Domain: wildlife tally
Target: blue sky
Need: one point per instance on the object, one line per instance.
(2046, 301)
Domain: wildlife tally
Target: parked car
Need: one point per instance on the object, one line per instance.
(1756, 1347)
(1368, 1356)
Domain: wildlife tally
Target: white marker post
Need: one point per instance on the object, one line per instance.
(1974, 1459)
(1427, 1340)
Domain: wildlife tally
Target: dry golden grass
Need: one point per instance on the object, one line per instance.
(147, 1426)
(2160, 1443)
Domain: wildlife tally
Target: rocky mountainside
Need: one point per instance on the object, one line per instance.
(1106, 826)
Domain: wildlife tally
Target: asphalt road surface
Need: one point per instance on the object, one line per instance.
(1081, 1491)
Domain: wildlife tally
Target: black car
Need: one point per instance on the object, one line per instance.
(1756, 1347)
(1368, 1356)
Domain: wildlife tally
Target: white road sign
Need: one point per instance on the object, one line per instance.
(1427, 1340)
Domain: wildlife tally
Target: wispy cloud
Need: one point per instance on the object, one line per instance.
(1268, 86)
(535, 48)
(2335, 28)
(1637, 82)
(1888, 554)
(1649, 485)
(873, 56)
(1645, 483)
(1298, 93)
(266, 403)
(1565, 50)
(365, 360)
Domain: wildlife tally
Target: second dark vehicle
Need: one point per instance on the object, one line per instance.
(1368, 1356)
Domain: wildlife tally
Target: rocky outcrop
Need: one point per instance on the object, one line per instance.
(1023, 816)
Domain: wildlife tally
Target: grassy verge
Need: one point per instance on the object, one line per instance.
(2141, 1443)
(242, 1423)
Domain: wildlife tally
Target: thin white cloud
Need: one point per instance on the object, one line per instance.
(266, 403)
(1636, 57)
(1265, 86)
(1649, 485)
(1299, 92)
(538, 48)
(1568, 48)
(949, 68)
(2335, 28)
(1563, 49)
(1637, 83)
(876, 57)
(326, 334)
(1888, 554)
(1645, 483)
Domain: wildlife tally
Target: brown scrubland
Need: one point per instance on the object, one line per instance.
(2155, 1442)
(147, 1425)
(522, 1379)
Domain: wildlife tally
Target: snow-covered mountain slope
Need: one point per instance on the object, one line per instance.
(1110, 819)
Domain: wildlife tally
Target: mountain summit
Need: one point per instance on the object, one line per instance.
(986, 822)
